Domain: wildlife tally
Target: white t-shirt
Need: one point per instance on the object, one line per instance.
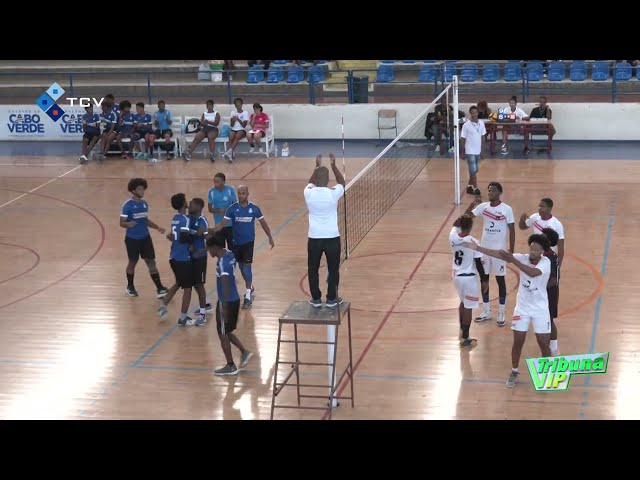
(241, 116)
(462, 261)
(532, 291)
(473, 134)
(495, 219)
(210, 117)
(538, 224)
(322, 203)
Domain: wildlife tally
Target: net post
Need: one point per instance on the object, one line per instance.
(456, 142)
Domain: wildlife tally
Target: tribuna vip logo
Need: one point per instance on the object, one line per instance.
(554, 374)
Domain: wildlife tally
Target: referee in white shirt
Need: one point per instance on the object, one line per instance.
(324, 235)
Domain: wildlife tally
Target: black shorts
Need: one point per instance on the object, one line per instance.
(140, 134)
(183, 272)
(244, 252)
(230, 312)
(199, 270)
(553, 295)
(90, 136)
(227, 234)
(140, 248)
(161, 133)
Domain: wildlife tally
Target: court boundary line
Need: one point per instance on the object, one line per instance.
(41, 186)
(596, 315)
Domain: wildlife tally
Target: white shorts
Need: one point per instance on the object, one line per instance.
(540, 319)
(495, 266)
(468, 290)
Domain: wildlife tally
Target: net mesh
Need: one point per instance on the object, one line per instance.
(379, 185)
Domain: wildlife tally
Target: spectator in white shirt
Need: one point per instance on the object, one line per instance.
(239, 119)
(520, 115)
(472, 144)
(324, 235)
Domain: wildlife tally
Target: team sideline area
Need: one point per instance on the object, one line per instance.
(75, 346)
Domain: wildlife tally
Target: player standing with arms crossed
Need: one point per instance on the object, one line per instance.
(465, 264)
(497, 217)
(532, 304)
(135, 219)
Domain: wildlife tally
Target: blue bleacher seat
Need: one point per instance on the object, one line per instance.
(427, 73)
(578, 71)
(512, 72)
(490, 72)
(557, 72)
(534, 71)
(448, 71)
(600, 71)
(295, 74)
(275, 74)
(256, 74)
(316, 74)
(623, 71)
(469, 72)
(385, 73)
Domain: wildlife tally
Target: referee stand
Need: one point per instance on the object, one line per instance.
(302, 313)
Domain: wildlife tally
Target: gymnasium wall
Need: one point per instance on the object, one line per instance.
(573, 121)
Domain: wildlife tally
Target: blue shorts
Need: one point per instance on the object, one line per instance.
(473, 162)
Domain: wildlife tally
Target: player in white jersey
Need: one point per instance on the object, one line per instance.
(465, 263)
(544, 219)
(532, 304)
(498, 218)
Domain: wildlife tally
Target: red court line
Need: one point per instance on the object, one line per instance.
(93, 255)
(395, 303)
(26, 271)
(253, 170)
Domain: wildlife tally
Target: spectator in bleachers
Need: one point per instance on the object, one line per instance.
(266, 63)
(143, 130)
(125, 127)
(209, 121)
(91, 127)
(259, 122)
(238, 122)
(520, 115)
(483, 110)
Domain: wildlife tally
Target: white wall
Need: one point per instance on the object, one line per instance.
(573, 121)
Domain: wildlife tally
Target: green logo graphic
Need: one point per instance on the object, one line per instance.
(553, 374)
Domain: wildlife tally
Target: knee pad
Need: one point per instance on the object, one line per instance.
(502, 287)
(151, 264)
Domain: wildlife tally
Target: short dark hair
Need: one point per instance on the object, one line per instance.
(140, 104)
(198, 201)
(466, 222)
(135, 183)
(178, 200)
(540, 239)
(473, 107)
(125, 104)
(221, 176)
(215, 241)
(161, 101)
(238, 100)
(551, 235)
(548, 202)
(210, 102)
(110, 96)
(497, 185)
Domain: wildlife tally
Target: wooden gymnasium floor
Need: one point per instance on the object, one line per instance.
(74, 346)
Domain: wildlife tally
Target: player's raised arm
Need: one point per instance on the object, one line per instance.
(469, 211)
(523, 221)
(336, 171)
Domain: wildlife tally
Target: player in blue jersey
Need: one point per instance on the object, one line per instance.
(125, 127)
(180, 255)
(228, 306)
(144, 129)
(135, 219)
(91, 127)
(110, 119)
(221, 197)
(243, 214)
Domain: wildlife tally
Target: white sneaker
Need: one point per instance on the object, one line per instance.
(500, 321)
(260, 150)
(555, 353)
(484, 316)
(251, 150)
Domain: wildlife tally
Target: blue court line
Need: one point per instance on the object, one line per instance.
(596, 315)
(167, 334)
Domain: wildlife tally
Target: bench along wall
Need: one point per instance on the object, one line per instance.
(573, 121)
